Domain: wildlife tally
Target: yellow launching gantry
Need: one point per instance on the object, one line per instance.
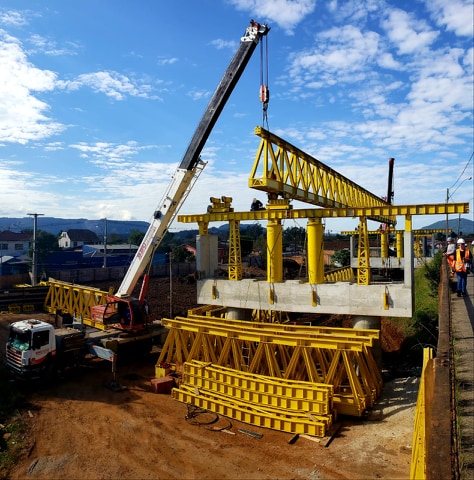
(282, 170)
(237, 347)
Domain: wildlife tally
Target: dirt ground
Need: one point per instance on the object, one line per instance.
(80, 429)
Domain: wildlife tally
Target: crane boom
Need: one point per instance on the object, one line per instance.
(191, 164)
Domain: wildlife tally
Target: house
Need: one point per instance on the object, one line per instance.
(77, 237)
(14, 244)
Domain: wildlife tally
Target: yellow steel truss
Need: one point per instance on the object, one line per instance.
(338, 357)
(363, 254)
(286, 405)
(235, 256)
(75, 300)
(283, 169)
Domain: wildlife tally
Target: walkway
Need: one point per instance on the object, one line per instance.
(462, 315)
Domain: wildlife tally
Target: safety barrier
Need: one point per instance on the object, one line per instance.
(418, 452)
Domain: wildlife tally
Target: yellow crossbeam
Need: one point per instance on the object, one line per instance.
(387, 210)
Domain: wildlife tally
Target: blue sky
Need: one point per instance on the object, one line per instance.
(99, 100)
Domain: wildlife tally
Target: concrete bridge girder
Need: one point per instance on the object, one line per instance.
(341, 298)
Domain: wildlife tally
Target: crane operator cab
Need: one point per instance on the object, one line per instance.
(126, 313)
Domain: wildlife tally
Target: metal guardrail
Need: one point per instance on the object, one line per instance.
(434, 452)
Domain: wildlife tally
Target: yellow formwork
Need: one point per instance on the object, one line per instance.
(338, 357)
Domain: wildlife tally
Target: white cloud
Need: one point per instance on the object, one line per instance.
(285, 13)
(407, 33)
(12, 17)
(22, 115)
(221, 44)
(455, 15)
(112, 84)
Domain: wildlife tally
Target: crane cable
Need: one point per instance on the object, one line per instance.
(264, 90)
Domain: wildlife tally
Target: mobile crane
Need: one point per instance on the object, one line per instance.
(121, 309)
(35, 346)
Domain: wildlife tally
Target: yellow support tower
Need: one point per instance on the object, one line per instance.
(363, 255)
(235, 256)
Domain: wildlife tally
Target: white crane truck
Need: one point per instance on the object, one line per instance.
(35, 347)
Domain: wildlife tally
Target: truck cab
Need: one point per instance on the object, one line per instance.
(34, 347)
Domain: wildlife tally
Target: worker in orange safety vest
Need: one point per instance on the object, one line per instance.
(462, 267)
(450, 255)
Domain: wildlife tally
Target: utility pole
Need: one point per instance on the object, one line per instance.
(34, 266)
(105, 243)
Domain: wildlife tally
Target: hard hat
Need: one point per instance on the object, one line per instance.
(450, 239)
(461, 240)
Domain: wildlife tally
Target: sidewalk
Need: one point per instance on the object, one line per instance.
(462, 318)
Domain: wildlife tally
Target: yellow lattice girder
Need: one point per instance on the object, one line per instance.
(73, 299)
(363, 254)
(423, 231)
(283, 169)
(249, 331)
(235, 256)
(247, 412)
(280, 393)
(339, 358)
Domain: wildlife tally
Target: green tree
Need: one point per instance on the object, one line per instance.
(294, 237)
(254, 231)
(136, 237)
(341, 257)
(182, 254)
(46, 243)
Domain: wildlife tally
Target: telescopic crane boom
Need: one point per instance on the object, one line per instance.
(181, 184)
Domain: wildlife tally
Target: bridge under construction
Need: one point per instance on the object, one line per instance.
(238, 354)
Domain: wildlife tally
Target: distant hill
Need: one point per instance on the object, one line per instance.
(57, 225)
(464, 226)
(124, 227)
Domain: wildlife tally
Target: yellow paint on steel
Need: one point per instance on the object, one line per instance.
(315, 398)
(247, 412)
(344, 274)
(315, 231)
(419, 446)
(274, 251)
(281, 168)
(423, 231)
(339, 357)
(73, 299)
(369, 212)
(235, 256)
(363, 254)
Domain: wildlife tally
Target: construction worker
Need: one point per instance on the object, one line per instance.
(462, 267)
(450, 255)
(256, 205)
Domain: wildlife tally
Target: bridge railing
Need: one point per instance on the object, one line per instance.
(434, 452)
